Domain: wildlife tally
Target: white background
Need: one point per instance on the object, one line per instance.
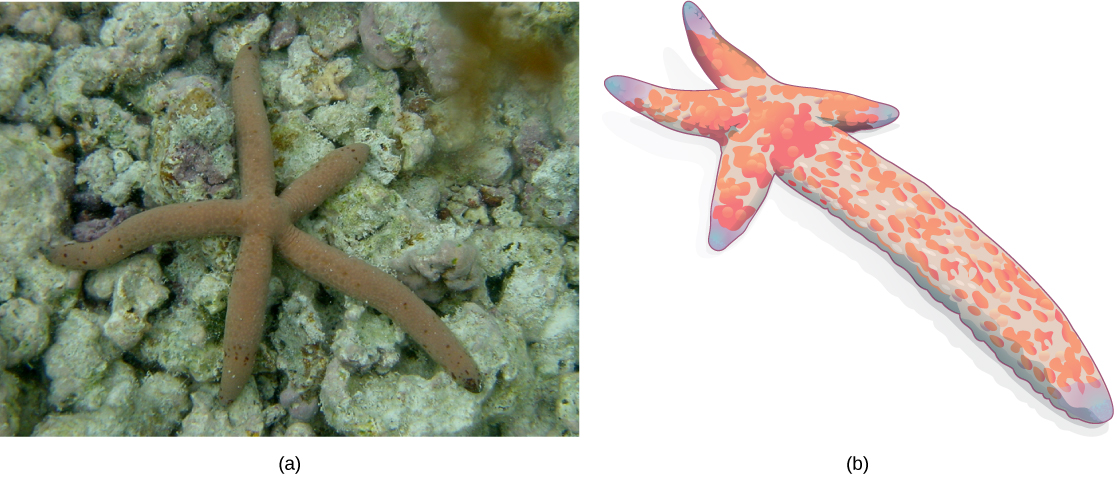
(802, 343)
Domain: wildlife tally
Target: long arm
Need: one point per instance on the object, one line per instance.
(960, 266)
(360, 280)
(166, 223)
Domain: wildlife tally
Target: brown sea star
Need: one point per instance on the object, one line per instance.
(265, 222)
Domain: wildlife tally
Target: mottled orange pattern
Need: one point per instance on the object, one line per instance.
(800, 136)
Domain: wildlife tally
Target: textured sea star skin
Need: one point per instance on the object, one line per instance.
(265, 222)
(798, 135)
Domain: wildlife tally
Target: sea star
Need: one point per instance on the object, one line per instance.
(265, 222)
(800, 136)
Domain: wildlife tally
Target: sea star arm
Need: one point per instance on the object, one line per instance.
(244, 315)
(709, 113)
(958, 265)
(254, 146)
(744, 173)
(362, 281)
(735, 72)
(324, 180)
(162, 224)
(730, 69)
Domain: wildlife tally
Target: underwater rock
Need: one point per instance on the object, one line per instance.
(570, 256)
(34, 106)
(564, 105)
(556, 349)
(431, 273)
(377, 48)
(22, 61)
(109, 125)
(533, 141)
(37, 19)
(534, 22)
(521, 402)
(192, 155)
(111, 175)
(67, 34)
(371, 114)
(136, 42)
(299, 408)
(153, 407)
(358, 403)
(332, 27)
(489, 166)
(337, 121)
(310, 80)
(24, 331)
(78, 362)
(90, 229)
(135, 287)
(282, 33)
(567, 402)
(143, 38)
(551, 194)
(466, 205)
(243, 417)
(413, 36)
(178, 342)
(298, 146)
(389, 31)
(33, 192)
(439, 54)
(9, 404)
(367, 341)
(81, 71)
(300, 340)
(416, 141)
(534, 289)
(228, 39)
(299, 429)
(383, 165)
(506, 211)
(367, 220)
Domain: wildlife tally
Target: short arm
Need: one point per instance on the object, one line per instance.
(362, 281)
(729, 68)
(166, 223)
(244, 316)
(324, 179)
(709, 113)
(743, 179)
(254, 146)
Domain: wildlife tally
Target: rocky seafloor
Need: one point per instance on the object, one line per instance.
(470, 198)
